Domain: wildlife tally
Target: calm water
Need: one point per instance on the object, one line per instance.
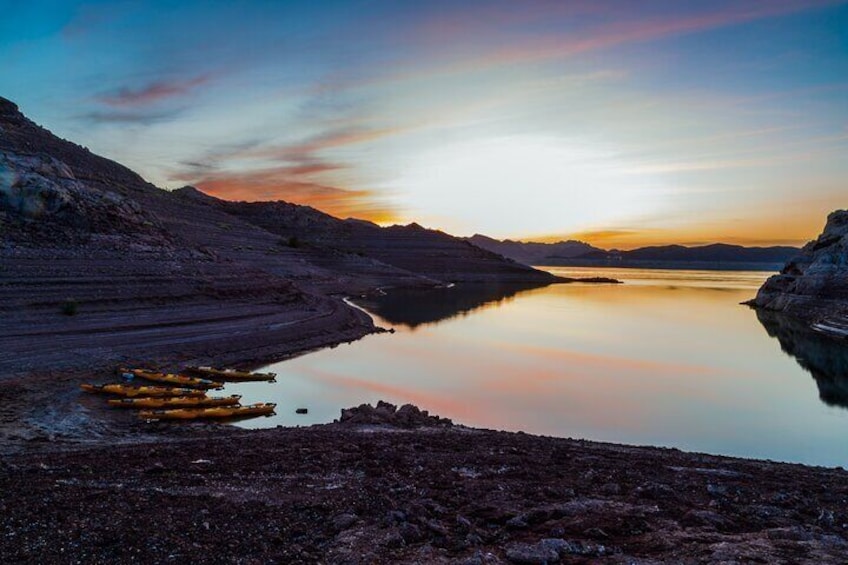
(669, 358)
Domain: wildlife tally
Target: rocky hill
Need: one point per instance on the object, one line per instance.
(96, 263)
(813, 286)
(413, 249)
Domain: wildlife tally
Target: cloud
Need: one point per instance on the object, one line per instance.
(128, 117)
(283, 183)
(297, 173)
(306, 150)
(470, 33)
(651, 29)
(152, 93)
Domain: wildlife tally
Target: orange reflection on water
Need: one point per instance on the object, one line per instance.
(435, 403)
(612, 364)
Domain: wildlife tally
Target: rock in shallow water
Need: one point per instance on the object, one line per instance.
(408, 416)
(814, 285)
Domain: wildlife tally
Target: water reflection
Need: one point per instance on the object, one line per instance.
(667, 359)
(824, 358)
(415, 307)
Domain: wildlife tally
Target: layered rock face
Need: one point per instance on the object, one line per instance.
(96, 264)
(432, 254)
(98, 267)
(814, 285)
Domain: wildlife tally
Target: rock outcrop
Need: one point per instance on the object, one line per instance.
(813, 286)
(96, 261)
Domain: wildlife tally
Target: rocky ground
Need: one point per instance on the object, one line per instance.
(403, 487)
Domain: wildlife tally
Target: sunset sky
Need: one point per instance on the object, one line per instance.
(617, 122)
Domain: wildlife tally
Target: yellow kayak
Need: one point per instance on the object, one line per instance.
(174, 402)
(261, 409)
(231, 375)
(173, 379)
(126, 390)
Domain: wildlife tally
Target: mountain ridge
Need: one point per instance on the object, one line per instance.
(578, 253)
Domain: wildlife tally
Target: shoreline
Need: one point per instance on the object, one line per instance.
(417, 490)
(383, 491)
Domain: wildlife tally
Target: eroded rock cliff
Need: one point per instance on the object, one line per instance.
(813, 286)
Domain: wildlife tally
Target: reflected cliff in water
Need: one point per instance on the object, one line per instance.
(823, 357)
(415, 307)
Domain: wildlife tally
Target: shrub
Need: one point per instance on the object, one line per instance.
(69, 308)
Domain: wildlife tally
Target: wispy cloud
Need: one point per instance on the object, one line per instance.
(128, 117)
(297, 173)
(282, 184)
(152, 93)
(641, 30)
(613, 27)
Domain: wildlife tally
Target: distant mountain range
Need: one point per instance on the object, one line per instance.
(533, 253)
(580, 254)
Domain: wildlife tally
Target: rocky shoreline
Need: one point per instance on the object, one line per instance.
(812, 287)
(400, 486)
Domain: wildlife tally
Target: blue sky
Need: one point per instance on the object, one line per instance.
(621, 123)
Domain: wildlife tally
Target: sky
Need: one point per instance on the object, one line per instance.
(615, 122)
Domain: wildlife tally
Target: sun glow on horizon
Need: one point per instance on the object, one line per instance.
(538, 183)
(621, 123)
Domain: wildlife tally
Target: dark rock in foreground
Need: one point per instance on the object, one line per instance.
(814, 285)
(349, 493)
(408, 416)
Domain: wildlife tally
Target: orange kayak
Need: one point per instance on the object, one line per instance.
(174, 402)
(261, 409)
(126, 390)
(173, 379)
(230, 374)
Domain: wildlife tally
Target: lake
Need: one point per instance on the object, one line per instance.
(669, 358)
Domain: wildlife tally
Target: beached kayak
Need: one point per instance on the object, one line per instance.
(175, 401)
(126, 390)
(230, 374)
(170, 378)
(261, 409)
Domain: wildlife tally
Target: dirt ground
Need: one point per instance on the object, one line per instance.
(400, 487)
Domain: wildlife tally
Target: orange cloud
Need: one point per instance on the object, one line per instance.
(300, 177)
(282, 183)
(152, 93)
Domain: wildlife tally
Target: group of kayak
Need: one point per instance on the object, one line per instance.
(184, 395)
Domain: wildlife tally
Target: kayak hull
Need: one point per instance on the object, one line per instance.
(171, 379)
(230, 375)
(165, 402)
(133, 391)
(218, 413)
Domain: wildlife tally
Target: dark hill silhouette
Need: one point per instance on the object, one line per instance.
(143, 269)
(581, 254)
(532, 253)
